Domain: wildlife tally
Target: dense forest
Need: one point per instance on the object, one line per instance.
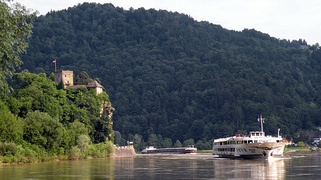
(175, 80)
(45, 122)
(40, 120)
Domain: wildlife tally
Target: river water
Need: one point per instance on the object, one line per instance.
(154, 167)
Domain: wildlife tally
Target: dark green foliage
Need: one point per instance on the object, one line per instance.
(7, 149)
(45, 121)
(11, 127)
(83, 78)
(171, 76)
(43, 131)
(15, 29)
(36, 92)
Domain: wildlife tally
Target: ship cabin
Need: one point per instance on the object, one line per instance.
(232, 145)
(253, 137)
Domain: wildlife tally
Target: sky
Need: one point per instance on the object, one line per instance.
(282, 19)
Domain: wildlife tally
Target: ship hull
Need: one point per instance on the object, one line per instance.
(250, 151)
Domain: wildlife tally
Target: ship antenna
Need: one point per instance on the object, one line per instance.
(261, 120)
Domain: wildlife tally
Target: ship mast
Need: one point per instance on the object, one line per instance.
(261, 120)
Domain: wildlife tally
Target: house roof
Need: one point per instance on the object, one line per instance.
(94, 84)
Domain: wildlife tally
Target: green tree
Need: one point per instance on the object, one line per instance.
(178, 144)
(11, 127)
(152, 140)
(168, 142)
(15, 29)
(83, 142)
(118, 139)
(188, 142)
(301, 144)
(42, 130)
(138, 142)
(75, 129)
(36, 92)
(83, 78)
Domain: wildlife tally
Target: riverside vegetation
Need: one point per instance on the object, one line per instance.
(38, 120)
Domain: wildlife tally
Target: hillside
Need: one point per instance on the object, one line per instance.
(172, 78)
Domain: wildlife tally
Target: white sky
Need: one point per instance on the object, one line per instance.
(283, 19)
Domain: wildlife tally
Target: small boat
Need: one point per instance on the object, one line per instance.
(254, 145)
(180, 150)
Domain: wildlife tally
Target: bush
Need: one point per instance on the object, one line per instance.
(8, 149)
(6, 159)
(97, 150)
(75, 153)
(83, 142)
(109, 147)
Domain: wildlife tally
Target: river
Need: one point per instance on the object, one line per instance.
(154, 167)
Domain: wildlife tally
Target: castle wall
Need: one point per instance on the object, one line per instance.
(64, 77)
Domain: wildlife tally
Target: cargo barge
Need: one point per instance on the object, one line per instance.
(180, 150)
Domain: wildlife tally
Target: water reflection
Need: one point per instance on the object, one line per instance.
(250, 169)
(82, 170)
(154, 167)
(196, 167)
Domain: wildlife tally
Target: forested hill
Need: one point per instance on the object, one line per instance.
(171, 77)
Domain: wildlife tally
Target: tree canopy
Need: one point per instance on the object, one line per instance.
(15, 29)
(172, 77)
(39, 118)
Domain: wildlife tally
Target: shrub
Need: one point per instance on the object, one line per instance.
(7, 149)
(109, 147)
(75, 153)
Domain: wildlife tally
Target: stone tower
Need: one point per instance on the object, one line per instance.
(64, 77)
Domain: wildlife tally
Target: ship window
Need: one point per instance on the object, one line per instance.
(250, 141)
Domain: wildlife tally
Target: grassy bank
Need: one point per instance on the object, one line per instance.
(296, 149)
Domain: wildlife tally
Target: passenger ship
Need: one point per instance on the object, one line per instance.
(254, 145)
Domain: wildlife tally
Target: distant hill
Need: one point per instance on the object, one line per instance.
(171, 76)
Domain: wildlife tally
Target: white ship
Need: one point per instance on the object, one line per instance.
(254, 145)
